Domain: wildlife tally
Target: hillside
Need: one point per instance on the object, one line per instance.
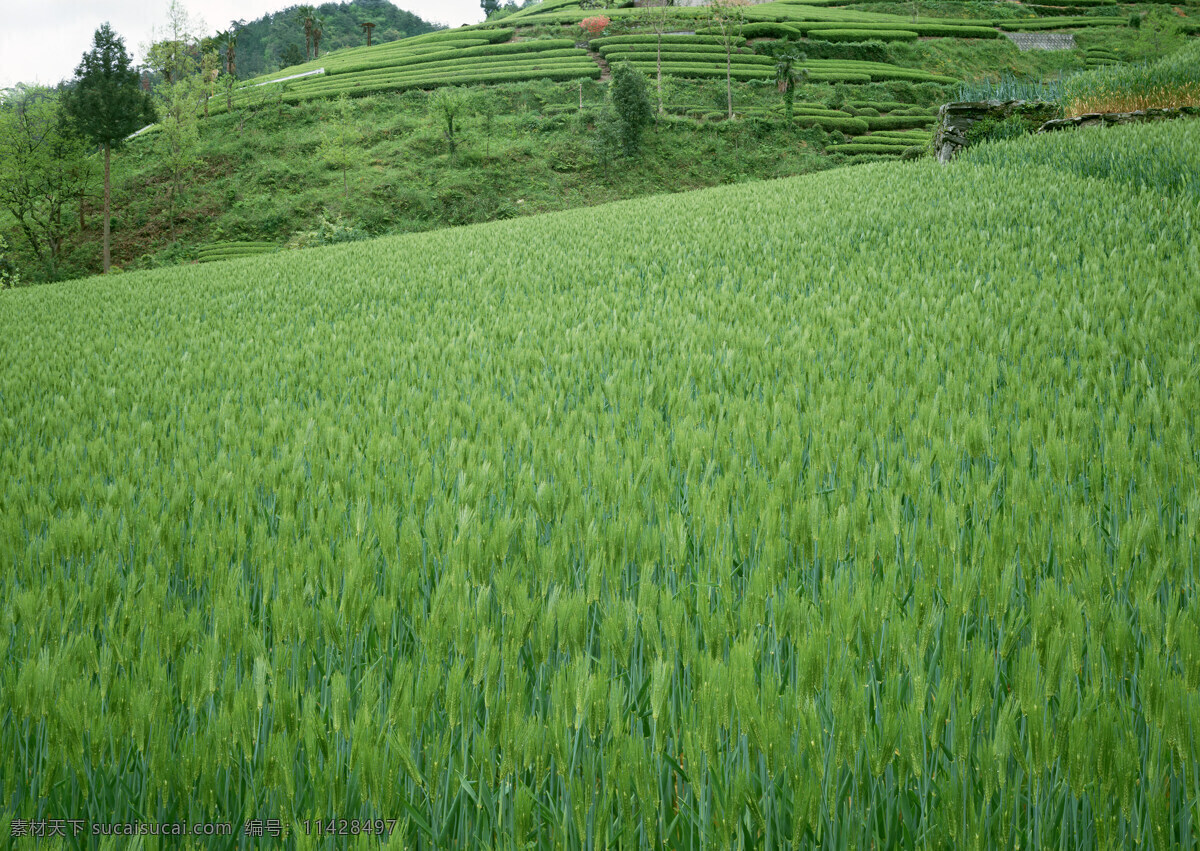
(264, 44)
(529, 132)
(855, 509)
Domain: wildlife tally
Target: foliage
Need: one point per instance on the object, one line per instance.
(106, 102)
(342, 146)
(788, 72)
(275, 41)
(10, 276)
(853, 510)
(1172, 81)
(446, 106)
(330, 231)
(630, 100)
(1159, 158)
(595, 25)
(1009, 87)
(44, 168)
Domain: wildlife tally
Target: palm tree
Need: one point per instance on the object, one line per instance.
(304, 16)
(787, 74)
(318, 24)
(231, 52)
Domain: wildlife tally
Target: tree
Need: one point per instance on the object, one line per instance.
(179, 131)
(292, 55)
(177, 54)
(490, 7)
(107, 104)
(446, 105)
(9, 276)
(728, 17)
(341, 147)
(787, 74)
(659, 22)
(43, 168)
(631, 106)
(318, 27)
(231, 38)
(304, 16)
(486, 107)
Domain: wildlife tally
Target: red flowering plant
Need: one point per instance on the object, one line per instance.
(595, 25)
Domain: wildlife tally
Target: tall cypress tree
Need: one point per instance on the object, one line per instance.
(107, 104)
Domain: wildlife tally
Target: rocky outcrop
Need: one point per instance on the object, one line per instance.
(957, 120)
(1108, 119)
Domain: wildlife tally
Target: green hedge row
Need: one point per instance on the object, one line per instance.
(762, 29)
(899, 122)
(479, 61)
(597, 43)
(702, 58)
(928, 30)
(849, 126)
(1061, 24)
(495, 36)
(738, 72)
(668, 47)
(881, 105)
(868, 35)
(452, 69)
(520, 47)
(469, 63)
(884, 141)
(433, 82)
(878, 71)
(230, 250)
(857, 148)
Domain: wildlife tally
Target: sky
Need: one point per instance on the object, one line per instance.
(42, 42)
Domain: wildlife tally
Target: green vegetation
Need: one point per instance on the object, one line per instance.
(232, 250)
(1173, 81)
(527, 140)
(263, 43)
(811, 513)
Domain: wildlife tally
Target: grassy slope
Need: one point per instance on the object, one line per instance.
(259, 177)
(925, 429)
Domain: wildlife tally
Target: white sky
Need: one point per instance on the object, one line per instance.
(42, 42)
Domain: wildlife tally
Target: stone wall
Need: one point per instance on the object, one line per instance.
(955, 120)
(1108, 119)
(1042, 41)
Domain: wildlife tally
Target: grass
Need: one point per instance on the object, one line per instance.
(854, 510)
(1171, 82)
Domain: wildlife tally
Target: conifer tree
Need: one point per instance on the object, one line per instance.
(107, 104)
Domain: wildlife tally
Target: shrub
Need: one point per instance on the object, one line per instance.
(866, 35)
(595, 25)
(630, 98)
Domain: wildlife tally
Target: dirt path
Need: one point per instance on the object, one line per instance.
(605, 71)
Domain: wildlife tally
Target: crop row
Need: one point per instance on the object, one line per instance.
(854, 510)
(486, 50)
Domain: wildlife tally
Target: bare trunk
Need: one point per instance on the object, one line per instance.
(107, 207)
(729, 76)
(659, 62)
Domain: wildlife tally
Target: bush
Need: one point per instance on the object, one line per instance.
(630, 98)
(867, 35)
(852, 126)
(328, 232)
(900, 122)
(854, 148)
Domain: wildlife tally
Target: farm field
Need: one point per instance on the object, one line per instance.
(857, 509)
